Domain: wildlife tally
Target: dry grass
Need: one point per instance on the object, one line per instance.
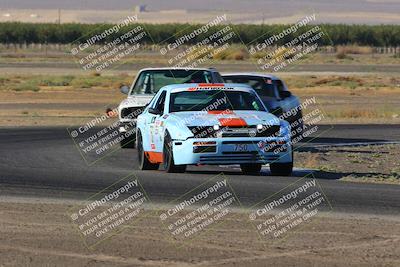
(40, 82)
(360, 113)
(365, 82)
(354, 49)
(351, 99)
(357, 55)
(342, 52)
(232, 53)
(354, 113)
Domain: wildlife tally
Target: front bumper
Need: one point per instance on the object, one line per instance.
(232, 151)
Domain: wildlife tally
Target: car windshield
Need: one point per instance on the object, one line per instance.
(209, 100)
(151, 81)
(263, 86)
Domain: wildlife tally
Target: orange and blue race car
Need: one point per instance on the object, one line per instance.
(215, 124)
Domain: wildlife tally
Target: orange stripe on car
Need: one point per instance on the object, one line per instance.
(210, 85)
(232, 122)
(226, 111)
(154, 157)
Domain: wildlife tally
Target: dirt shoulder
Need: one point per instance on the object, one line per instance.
(370, 163)
(38, 234)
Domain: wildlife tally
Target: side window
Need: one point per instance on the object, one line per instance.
(218, 77)
(263, 86)
(160, 103)
(144, 84)
(256, 83)
(139, 84)
(280, 86)
(229, 79)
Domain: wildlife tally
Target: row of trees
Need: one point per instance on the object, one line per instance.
(335, 34)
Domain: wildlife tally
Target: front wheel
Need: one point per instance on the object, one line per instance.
(143, 161)
(281, 169)
(251, 168)
(168, 157)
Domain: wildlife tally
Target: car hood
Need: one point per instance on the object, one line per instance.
(135, 101)
(222, 118)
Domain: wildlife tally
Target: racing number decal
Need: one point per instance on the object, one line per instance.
(241, 147)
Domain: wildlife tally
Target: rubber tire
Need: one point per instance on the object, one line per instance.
(143, 161)
(281, 169)
(251, 168)
(168, 157)
(128, 142)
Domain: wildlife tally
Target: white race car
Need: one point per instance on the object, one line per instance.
(147, 83)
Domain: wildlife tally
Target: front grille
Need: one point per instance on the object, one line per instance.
(237, 158)
(247, 131)
(131, 113)
(240, 132)
(240, 152)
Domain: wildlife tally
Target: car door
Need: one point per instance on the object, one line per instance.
(156, 123)
(147, 122)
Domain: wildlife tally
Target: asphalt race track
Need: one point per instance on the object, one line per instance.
(43, 162)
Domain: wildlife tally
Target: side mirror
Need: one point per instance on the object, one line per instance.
(154, 111)
(285, 94)
(124, 89)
